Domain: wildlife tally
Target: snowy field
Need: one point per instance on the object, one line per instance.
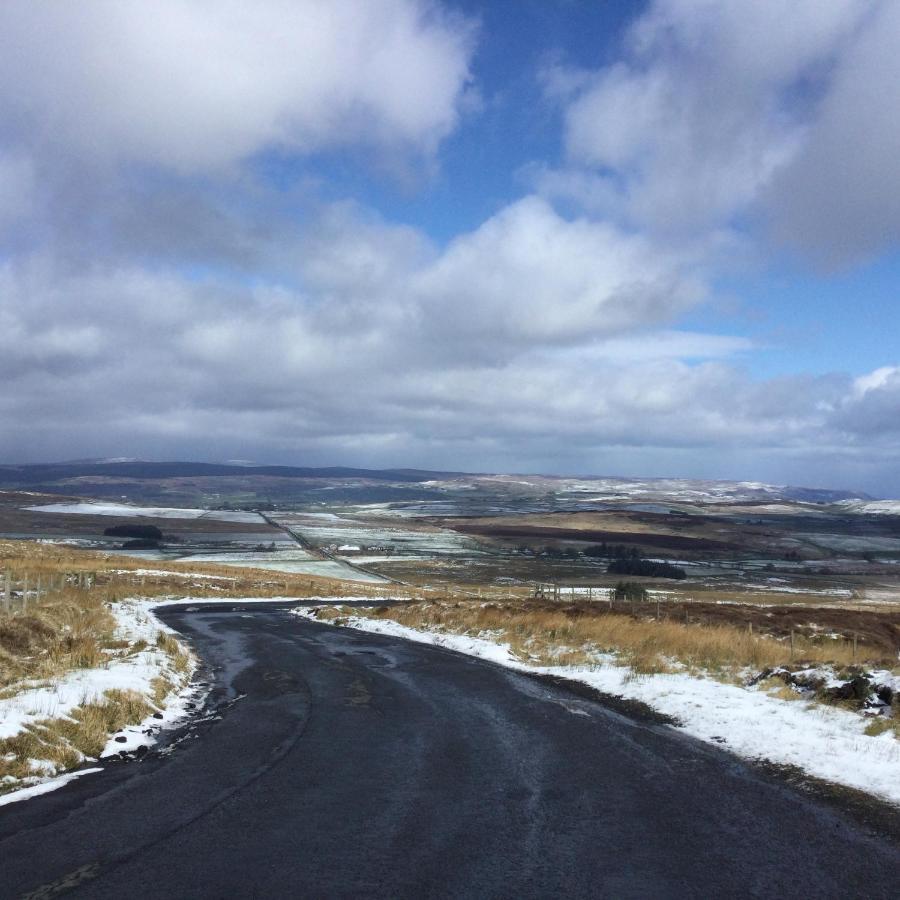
(294, 562)
(851, 543)
(123, 510)
(826, 742)
(324, 529)
(873, 507)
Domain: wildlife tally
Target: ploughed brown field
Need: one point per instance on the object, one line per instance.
(634, 538)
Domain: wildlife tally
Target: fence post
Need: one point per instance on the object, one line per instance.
(24, 592)
(6, 591)
(792, 643)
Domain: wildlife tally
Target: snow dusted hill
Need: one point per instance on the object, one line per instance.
(684, 490)
(183, 484)
(873, 507)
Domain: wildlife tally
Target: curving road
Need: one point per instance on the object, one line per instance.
(341, 764)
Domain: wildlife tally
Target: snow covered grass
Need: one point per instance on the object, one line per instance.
(50, 724)
(827, 741)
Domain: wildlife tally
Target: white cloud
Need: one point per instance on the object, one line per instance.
(198, 85)
(712, 101)
(877, 380)
(157, 362)
(839, 198)
(529, 276)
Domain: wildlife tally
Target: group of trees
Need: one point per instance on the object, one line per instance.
(138, 537)
(647, 567)
(594, 551)
(558, 552)
(629, 590)
(624, 560)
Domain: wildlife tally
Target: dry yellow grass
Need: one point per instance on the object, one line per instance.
(882, 724)
(71, 627)
(550, 637)
(65, 630)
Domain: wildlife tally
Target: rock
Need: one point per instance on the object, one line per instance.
(857, 688)
(885, 694)
(121, 738)
(808, 682)
(157, 715)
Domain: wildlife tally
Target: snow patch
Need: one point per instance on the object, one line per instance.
(147, 512)
(45, 787)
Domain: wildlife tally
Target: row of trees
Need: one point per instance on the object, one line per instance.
(594, 551)
(645, 567)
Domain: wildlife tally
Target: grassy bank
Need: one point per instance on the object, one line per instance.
(553, 635)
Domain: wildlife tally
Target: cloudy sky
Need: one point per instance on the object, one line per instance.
(640, 238)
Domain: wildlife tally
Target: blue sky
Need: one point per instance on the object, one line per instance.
(801, 315)
(652, 238)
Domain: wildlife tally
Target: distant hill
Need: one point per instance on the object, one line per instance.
(47, 473)
(238, 484)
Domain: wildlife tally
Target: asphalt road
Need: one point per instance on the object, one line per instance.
(340, 764)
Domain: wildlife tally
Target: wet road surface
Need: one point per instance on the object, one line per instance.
(333, 763)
